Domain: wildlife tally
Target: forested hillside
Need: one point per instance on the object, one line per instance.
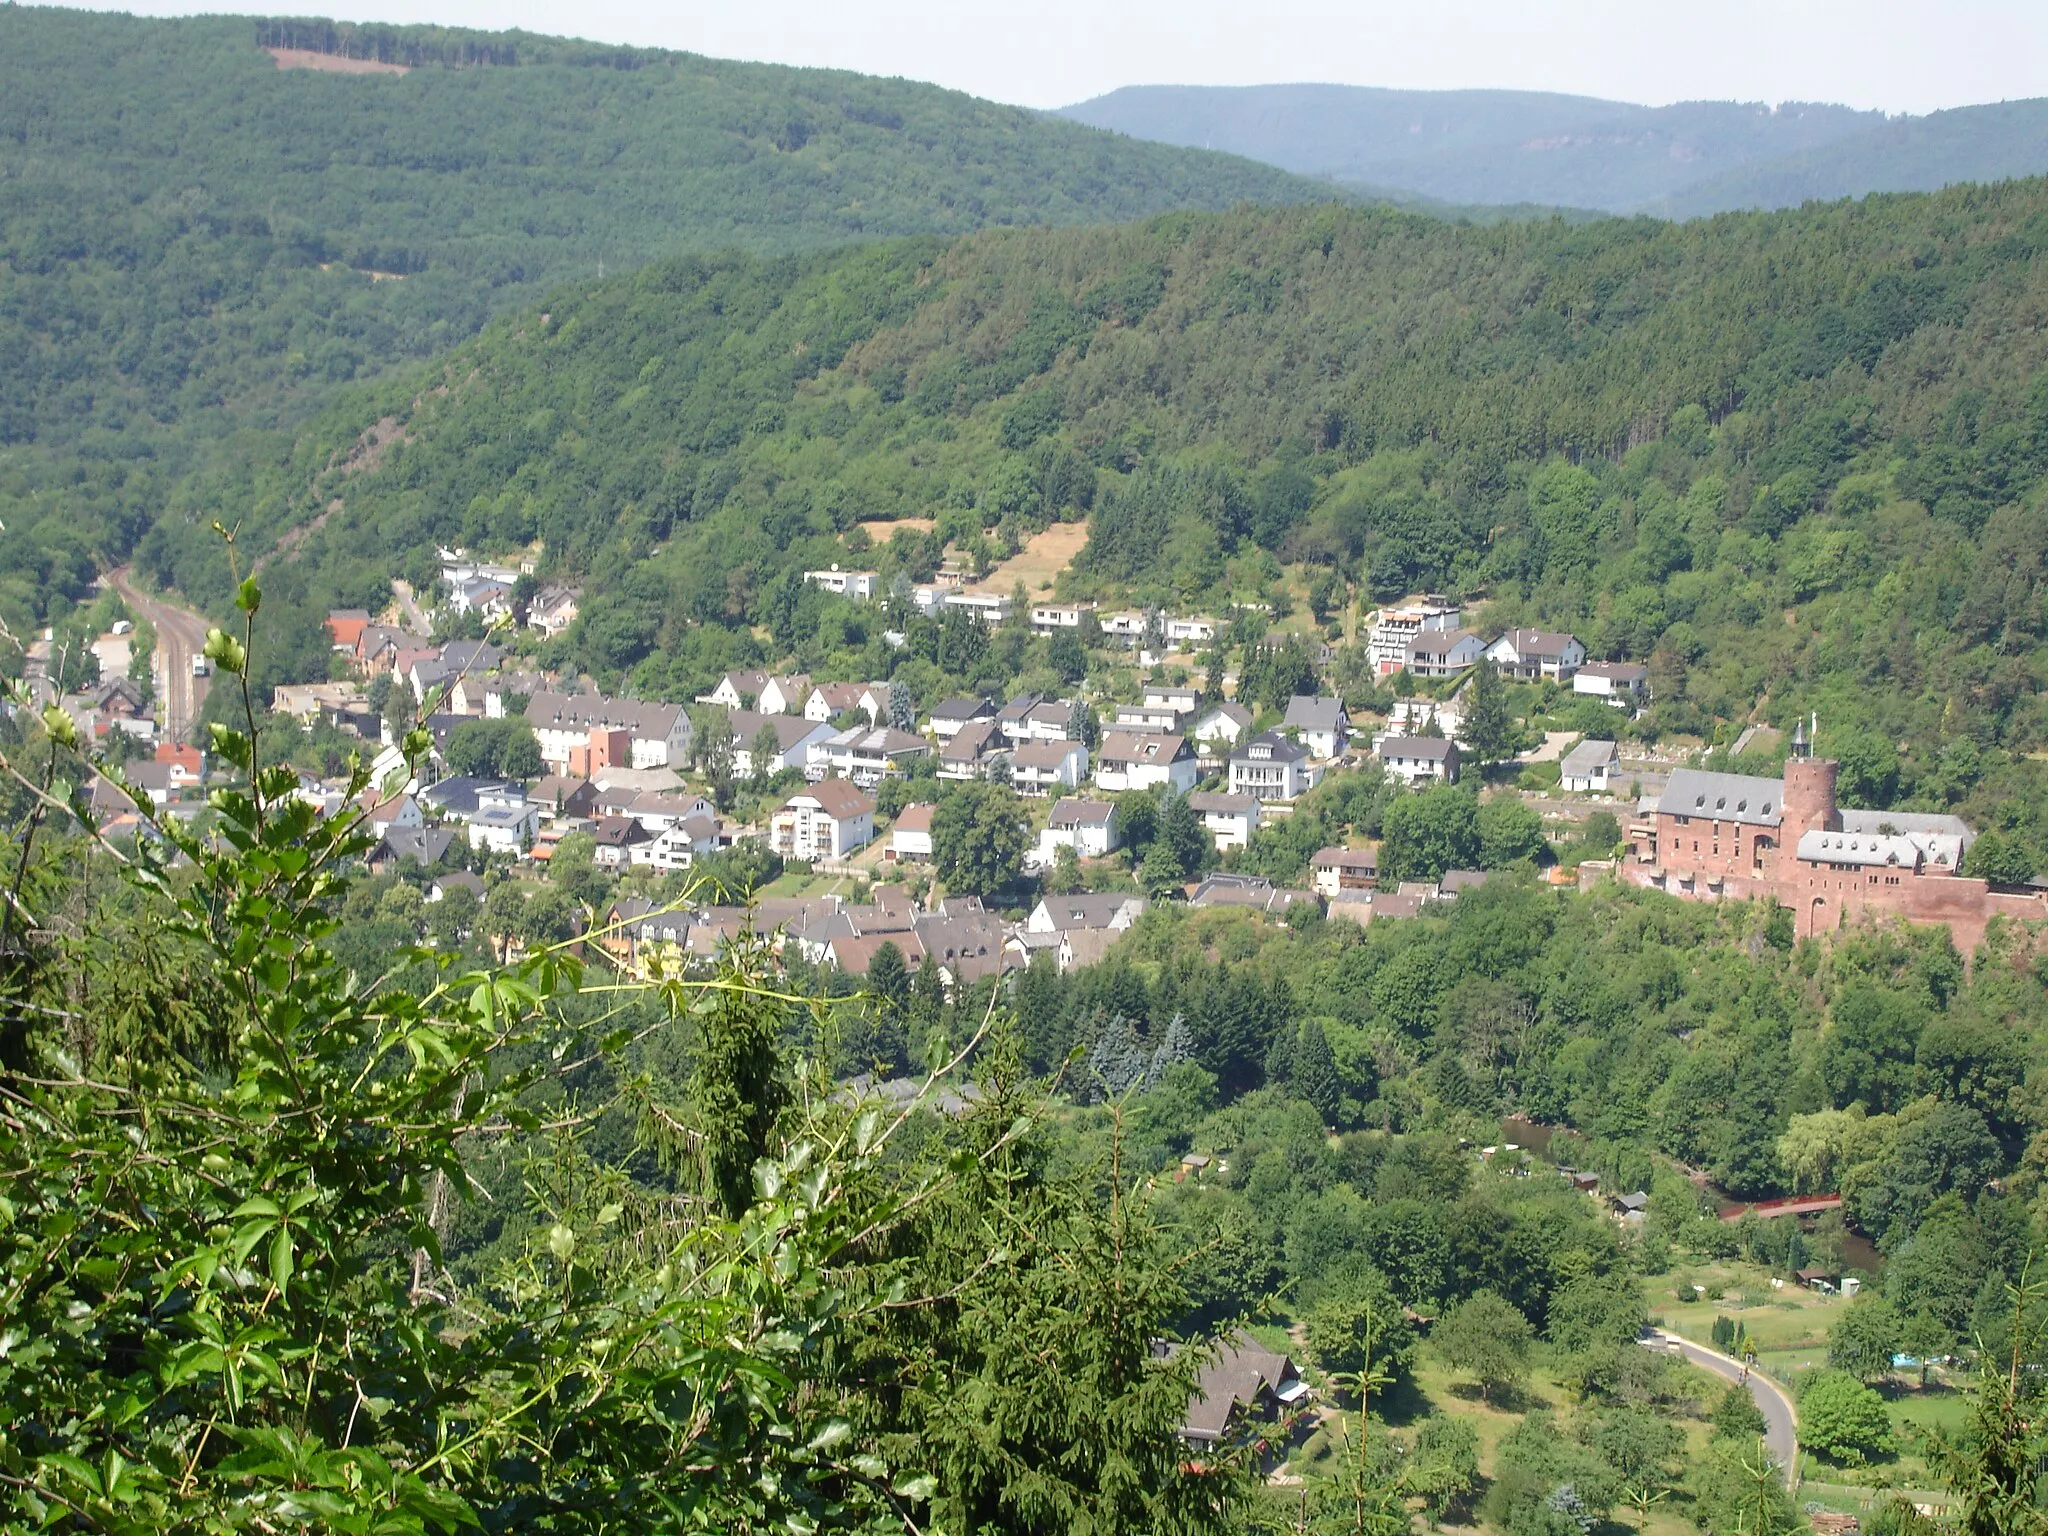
(1532, 147)
(1984, 143)
(1487, 147)
(1793, 461)
(194, 241)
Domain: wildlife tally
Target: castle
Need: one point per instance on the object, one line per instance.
(1715, 836)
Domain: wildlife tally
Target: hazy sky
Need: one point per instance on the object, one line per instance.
(1900, 55)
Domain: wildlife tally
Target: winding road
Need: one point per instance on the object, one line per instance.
(1781, 1424)
(180, 635)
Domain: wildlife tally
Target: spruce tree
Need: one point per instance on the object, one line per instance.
(1314, 1069)
(1489, 729)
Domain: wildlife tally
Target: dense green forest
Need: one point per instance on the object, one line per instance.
(1793, 461)
(194, 242)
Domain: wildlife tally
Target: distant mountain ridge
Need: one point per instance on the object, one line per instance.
(1532, 147)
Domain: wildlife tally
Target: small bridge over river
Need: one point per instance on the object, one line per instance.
(1790, 1205)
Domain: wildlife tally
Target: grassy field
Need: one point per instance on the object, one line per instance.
(1039, 562)
(1789, 1328)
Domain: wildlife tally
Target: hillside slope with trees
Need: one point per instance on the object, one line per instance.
(194, 241)
(1793, 461)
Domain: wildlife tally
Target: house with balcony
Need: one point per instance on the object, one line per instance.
(1048, 767)
(827, 820)
(1444, 652)
(1394, 630)
(1623, 684)
(1344, 869)
(1086, 826)
(865, 753)
(1140, 759)
(1536, 655)
(1319, 724)
(1419, 761)
(1230, 819)
(1270, 767)
(953, 716)
(796, 738)
(862, 586)
(972, 753)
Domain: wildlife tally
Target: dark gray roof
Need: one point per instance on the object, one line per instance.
(1737, 797)
(427, 844)
(1428, 749)
(1586, 756)
(1243, 1373)
(457, 796)
(1269, 747)
(1306, 713)
(964, 709)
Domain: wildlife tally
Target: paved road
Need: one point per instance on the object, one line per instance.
(410, 607)
(1781, 1424)
(180, 635)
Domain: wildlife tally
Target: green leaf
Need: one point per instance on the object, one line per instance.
(281, 1261)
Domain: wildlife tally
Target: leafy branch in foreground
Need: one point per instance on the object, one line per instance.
(211, 1322)
(221, 1275)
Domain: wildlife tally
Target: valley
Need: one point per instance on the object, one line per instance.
(915, 817)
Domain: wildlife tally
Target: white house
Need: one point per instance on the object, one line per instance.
(660, 734)
(1419, 760)
(1181, 700)
(992, 608)
(828, 820)
(972, 753)
(1624, 684)
(737, 690)
(784, 695)
(1147, 717)
(1231, 819)
(864, 754)
(1047, 618)
(953, 716)
(1124, 628)
(827, 701)
(504, 821)
(1138, 760)
(1043, 767)
(1109, 911)
(1535, 654)
(1181, 634)
(1270, 767)
(1321, 725)
(400, 811)
(796, 738)
(912, 837)
(1344, 869)
(1219, 728)
(679, 846)
(1048, 720)
(1411, 717)
(1590, 768)
(1444, 652)
(1086, 826)
(862, 585)
(553, 610)
(1395, 629)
